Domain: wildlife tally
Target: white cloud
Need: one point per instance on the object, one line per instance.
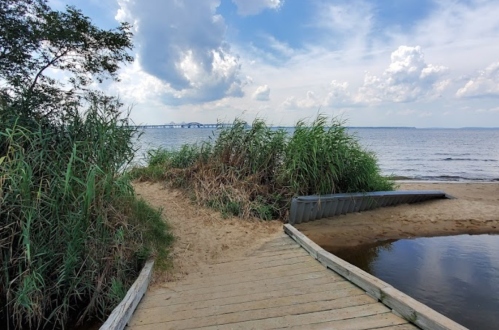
(408, 78)
(486, 83)
(262, 93)
(253, 7)
(182, 44)
(338, 95)
(307, 103)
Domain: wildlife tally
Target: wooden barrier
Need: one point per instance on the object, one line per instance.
(309, 208)
(405, 306)
(123, 312)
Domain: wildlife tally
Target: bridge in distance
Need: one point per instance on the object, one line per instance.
(186, 125)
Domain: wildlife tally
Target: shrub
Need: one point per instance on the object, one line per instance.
(73, 236)
(255, 171)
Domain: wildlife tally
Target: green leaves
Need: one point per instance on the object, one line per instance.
(34, 38)
(72, 234)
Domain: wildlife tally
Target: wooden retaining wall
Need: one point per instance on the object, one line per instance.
(309, 208)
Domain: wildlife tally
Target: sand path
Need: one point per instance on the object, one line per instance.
(203, 236)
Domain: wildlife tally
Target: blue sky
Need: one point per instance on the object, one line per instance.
(416, 63)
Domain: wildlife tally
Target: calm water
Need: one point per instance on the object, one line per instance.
(444, 154)
(456, 275)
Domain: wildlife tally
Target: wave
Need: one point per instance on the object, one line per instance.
(469, 159)
(443, 178)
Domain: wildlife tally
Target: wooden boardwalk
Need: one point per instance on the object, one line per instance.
(279, 286)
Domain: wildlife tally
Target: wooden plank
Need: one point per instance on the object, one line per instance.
(274, 272)
(366, 281)
(407, 326)
(235, 269)
(173, 313)
(302, 240)
(262, 311)
(275, 249)
(379, 322)
(274, 322)
(196, 309)
(416, 312)
(248, 261)
(190, 302)
(122, 313)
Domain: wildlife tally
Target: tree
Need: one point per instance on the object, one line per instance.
(35, 40)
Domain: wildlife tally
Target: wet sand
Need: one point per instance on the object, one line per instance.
(475, 211)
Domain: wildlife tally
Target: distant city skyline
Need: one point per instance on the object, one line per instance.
(416, 63)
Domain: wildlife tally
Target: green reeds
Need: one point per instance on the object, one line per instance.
(255, 171)
(73, 236)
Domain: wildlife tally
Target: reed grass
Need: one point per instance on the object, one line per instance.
(256, 170)
(73, 236)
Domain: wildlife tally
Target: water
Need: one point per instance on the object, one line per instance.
(436, 154)
(457, 276)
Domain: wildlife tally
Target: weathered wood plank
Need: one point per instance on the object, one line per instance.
(273, 285)
(235, 269)
(264, 310)
(274, 272)
(311, 247)
(207, 301)
(122, 313)
(379, 321)
(407, 326)
(183, 311)
(274, 322)
(416, 312)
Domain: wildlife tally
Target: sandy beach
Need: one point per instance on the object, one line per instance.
(475, 211)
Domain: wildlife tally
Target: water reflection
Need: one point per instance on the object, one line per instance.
(456, 275)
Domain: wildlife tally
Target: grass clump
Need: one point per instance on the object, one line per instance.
(73, 236)
(256, 170)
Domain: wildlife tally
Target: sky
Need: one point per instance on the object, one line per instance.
(419, 63)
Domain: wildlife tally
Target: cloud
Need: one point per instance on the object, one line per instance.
(307, 103)
(338, 95)
(408, 78)
(485, 83)
(182, 44)
(253, 7)
(262, 93)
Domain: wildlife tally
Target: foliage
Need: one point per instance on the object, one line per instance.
(72, 234)
(255, 171)
(35, 39)
(322, 158)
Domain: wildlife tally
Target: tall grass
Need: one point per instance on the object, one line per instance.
(73, 236)
(255, 171)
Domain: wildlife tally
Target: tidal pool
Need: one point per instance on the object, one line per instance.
(457, 276)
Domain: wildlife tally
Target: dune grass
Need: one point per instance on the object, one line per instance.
(73, 236)
(255, 171)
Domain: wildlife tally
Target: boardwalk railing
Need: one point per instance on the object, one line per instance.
(309, 208)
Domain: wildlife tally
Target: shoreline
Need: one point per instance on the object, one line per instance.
(475, 211)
